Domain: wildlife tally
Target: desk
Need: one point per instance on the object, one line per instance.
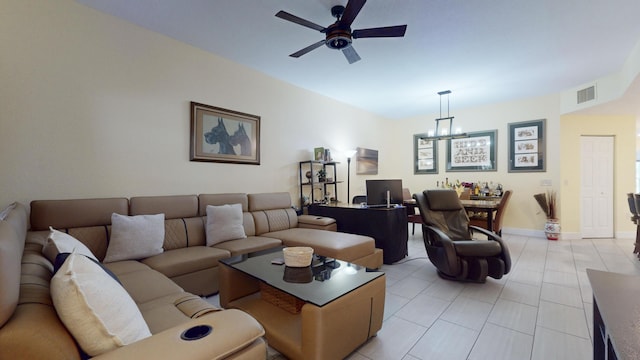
(485, 206)
(616, 313)
(388, 226)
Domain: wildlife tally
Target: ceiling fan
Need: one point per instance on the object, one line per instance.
(339, 35)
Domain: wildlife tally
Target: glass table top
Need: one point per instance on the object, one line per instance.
(324, 281)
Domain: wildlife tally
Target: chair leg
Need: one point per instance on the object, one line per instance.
(413, 230)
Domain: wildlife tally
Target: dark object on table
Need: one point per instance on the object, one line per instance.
(299, 275)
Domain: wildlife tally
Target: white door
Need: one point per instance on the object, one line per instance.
(597, 186)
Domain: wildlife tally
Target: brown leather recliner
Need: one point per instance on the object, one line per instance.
(449, 243)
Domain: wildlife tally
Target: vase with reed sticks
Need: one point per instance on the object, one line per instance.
(547, 203)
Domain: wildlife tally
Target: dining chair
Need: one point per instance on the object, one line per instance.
(634, 202)
(359, 199)
(481, 221)
(413, 216)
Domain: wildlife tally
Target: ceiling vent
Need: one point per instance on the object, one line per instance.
(587, 94)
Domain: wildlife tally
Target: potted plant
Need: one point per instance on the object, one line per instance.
(547, 203)
(322, 175)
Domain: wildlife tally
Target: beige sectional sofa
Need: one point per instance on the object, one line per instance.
(27, 315)
(31, 329)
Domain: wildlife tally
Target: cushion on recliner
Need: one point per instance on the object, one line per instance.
(443, 200)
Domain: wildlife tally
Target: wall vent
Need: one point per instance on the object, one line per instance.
(587, 94)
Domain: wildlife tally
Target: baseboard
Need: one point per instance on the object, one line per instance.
(625, 234)
(523, 232)
(563, 235)
(570, 236)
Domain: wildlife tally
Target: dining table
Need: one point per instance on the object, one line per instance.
(487, 206)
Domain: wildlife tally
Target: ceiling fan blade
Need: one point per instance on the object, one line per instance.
(387, 31)
(300, 21)
(351, 11)
(299, 53)
(351, 54)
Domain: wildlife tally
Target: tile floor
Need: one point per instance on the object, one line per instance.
(541, 310)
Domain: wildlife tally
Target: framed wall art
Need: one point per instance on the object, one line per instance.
(366, 161)
(425, 155)
(527, 146)
(222, 135)
(474, 153)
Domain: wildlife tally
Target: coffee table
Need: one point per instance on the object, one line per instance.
(325, 311)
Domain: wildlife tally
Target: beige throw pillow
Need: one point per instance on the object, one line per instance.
(224, 223)
(59, 242)
(96, 310)
(135, 237)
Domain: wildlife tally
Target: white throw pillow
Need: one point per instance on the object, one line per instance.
(96, 310)
(135, 237)
(224, 223)
(59, 242)
(6, 211)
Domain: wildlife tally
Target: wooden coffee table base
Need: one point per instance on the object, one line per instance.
(332, 331)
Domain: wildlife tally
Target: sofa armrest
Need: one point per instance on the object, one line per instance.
(317, 222)
(233, 330)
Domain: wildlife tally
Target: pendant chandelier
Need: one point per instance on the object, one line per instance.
(444, 133)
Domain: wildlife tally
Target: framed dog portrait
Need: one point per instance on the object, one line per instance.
(222, 135)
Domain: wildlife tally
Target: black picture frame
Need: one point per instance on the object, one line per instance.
(425, 155)
(476, 152)
(527, 146)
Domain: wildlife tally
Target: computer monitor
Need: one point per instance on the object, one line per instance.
(377, 191)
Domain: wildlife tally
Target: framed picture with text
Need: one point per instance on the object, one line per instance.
(527, 146)
(425, 155)
(477, 152)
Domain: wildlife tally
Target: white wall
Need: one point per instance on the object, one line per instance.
(93, 106)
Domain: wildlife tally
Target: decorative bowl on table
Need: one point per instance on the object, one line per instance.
(300, 275)
(297, 256)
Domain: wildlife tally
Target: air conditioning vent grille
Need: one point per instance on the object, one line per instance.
(587, 94)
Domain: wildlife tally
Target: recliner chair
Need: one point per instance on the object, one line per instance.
(449, 243)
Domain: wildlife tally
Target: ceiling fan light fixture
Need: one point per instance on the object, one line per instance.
(338, 40)
(338, 36)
